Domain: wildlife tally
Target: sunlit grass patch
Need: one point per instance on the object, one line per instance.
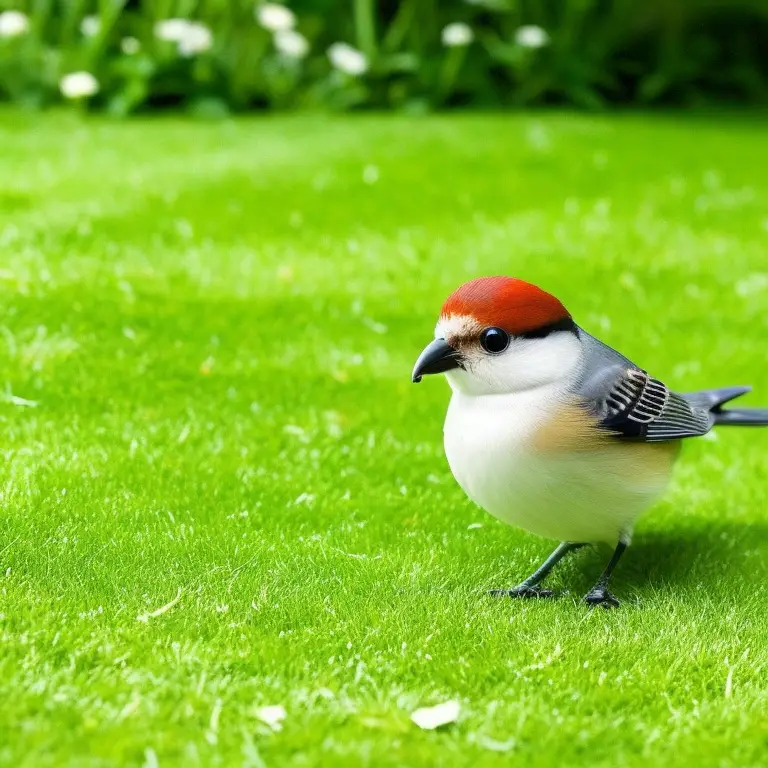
(229, 534)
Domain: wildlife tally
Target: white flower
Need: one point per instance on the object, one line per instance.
(291, 43)
(130, 45)
(275, 17)
(13, 23)
(347, 59)
(191, 36)
(78, 85)
(171, 30)
(457, 34)
(531, 36)
(197, 39)
(273, 716)
(90, 26)
(430, 718)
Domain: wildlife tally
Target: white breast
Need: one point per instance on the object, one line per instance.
(590, 495)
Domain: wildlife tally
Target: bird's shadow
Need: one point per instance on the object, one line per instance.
(683, 558)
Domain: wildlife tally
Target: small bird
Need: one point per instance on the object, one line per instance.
(551, 430)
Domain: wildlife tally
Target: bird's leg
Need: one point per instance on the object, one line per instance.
(599, 594)
(531, 586)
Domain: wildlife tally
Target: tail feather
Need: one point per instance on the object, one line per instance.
(742, 417)
(714, 399)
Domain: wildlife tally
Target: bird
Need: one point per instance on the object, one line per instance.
(553, 431)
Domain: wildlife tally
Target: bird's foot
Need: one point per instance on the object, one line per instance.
(522, 591)
(599, 595)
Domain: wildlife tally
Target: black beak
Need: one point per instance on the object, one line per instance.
(438, 357)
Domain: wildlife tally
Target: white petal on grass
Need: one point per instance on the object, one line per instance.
(13, 23)
(494, 745)
(171, 30)
(78, 85)
(90, 26)
(429, 718)
(22, 401)
(531, 36)
(9, 397)
(196, 39)
(275, 17)
(457, 34)
(272, 716)
(130, 46)
(291, 43)
(347, 59)
(145, 617)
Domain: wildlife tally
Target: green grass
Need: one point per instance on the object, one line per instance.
(217, 324)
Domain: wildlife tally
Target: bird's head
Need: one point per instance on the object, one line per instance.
(498, 335)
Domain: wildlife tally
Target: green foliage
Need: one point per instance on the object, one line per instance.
(220, 490)
(410, 54)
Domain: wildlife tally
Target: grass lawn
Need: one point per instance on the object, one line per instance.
(220, 490)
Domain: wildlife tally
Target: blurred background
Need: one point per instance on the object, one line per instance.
(214, 57)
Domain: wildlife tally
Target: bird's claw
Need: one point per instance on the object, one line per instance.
(522, 591)
(601, 596)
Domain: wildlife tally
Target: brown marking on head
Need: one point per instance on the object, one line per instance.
(505, 302)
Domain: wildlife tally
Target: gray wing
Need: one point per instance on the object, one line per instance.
(631, 403)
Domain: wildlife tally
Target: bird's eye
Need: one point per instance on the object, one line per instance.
(494, 340)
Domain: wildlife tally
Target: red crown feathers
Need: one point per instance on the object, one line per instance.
(505, 302)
